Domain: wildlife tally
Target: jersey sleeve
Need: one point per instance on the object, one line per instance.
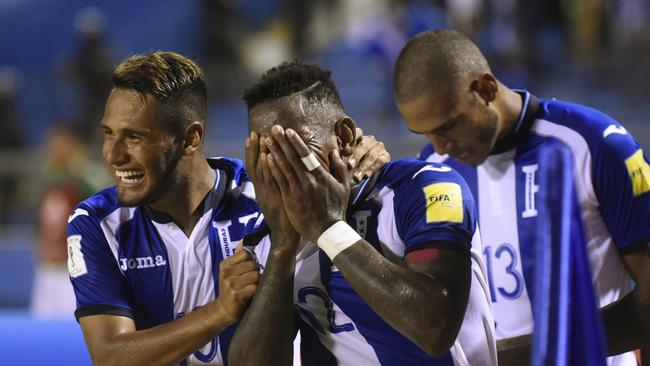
(436, 207)
(621, 180)
(99, 285)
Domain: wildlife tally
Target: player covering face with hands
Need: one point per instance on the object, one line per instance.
(378, 272)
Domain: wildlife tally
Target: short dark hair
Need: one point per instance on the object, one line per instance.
(436, 59)
(293, 77)
(175, 81)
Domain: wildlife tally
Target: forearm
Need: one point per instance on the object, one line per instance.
(624, 329)
(265, 334)
(419, 306)
(165, 344)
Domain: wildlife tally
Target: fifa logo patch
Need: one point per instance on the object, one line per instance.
(639, 172)
(76, 263)
(444, 202)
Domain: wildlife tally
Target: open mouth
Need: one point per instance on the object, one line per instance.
(130, 176)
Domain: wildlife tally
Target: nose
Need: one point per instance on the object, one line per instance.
(115, 152)
(443, 145)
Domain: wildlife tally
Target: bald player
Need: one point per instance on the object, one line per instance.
(490, 133)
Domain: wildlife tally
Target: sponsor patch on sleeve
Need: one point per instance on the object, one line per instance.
(639, 172)
(444, 202)
(76, 262)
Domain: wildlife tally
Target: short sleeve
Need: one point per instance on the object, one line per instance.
(621, 179)
(435, 205)
(99, 285)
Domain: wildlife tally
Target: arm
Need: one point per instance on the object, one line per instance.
(265, 334)
(114, 340)
(621, 181)
(643, 297)
(624, 327)
(424, 298)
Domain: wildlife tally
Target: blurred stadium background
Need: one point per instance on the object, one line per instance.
(56, 57)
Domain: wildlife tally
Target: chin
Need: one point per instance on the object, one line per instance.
(130, 201)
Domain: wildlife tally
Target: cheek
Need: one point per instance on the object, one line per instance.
(485, 126)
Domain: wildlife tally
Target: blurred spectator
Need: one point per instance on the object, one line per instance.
(88, 70)
(300, 15)
(69, 177)
(630, 41)
(589, 33)
(11, 139)
(223, 32)
(468, 16)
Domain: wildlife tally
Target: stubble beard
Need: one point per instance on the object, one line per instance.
(165, 180)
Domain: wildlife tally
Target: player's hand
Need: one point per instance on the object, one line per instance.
(267, 193)
(238, 278)
(313, 200)
(368, 157)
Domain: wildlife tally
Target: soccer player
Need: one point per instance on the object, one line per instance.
(491, 134)
(152, 260)
(387, 272)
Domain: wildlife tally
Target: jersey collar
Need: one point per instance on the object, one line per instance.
(530, 107)
(357, 196)
(211, 200)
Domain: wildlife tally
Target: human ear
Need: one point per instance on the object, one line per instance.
(193, 137)
(486, 86)
(346, 133)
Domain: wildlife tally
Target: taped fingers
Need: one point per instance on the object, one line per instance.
(310, 161)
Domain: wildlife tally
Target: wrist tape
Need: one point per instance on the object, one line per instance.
(337, 238)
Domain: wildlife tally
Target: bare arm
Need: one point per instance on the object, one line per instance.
(625, 329)
(424, 298)
(114, 340)
(265, 334)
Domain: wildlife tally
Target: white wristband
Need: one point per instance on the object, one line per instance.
(337, 238)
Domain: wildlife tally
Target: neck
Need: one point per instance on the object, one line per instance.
(509, 106)
(184, 198)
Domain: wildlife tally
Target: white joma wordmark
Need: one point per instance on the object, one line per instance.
(614, 129)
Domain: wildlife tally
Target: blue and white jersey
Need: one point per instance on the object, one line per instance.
(407, 205)
(612, 181)
(129, 261)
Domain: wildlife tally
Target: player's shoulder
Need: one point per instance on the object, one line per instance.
(577, 116)
(409, 173)
(238, 181)
(602, 134)
(234, 168)
(97, 206)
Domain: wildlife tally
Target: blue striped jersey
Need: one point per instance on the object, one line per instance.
(410, 203)
(612, 181)
(129, 261)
